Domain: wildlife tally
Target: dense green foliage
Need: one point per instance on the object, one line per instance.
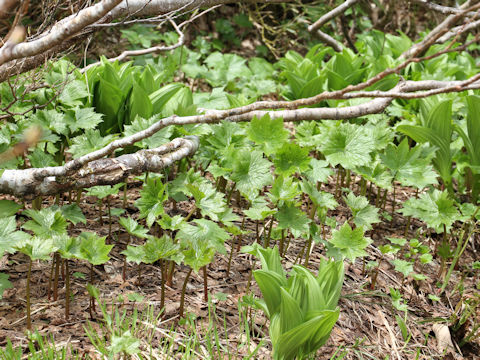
(277, 178)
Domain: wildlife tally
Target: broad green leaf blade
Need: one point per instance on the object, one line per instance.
(270, 284)
(268, 133)
(93, 248)
(351, 243)
(8, 208)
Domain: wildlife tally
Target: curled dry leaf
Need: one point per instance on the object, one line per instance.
(444, 340)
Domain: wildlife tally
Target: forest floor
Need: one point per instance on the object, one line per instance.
(367, 326)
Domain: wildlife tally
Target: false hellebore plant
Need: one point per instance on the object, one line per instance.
(302, 308)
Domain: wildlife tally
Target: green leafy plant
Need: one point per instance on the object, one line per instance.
(302, 308)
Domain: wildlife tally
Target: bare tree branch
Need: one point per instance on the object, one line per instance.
(25, 183)
(434, 35)
(440, 8)
(330, 41)
(58, 33)
(458, 30)
(153, 49)
(331, 14)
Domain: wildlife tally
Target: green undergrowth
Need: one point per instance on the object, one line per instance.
(285, 184)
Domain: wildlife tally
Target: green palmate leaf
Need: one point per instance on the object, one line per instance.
(52, 120)
(403, 266)
(8, 208)
(39, 158)
(319, 171)
(350, 243)
(73, 92)
(10, 239)
(150, 204)
(93, 248)
(227, 218)
(159, 138)
(268, 133)
(199, 256)
(125, 343)
(291, 217)
(377, 174)
(321, 199)
(291, 158)
(364, 214)
(203, 232)
(170, 223)
(408, 166)
(258, 213)
(85, 119)
(133, 227)
(226, 135)
(4, 284)
(46, 222)
(38, 248)
(210, 202)
(88, 142)
(161, 248)
(73, 213)
(102, 192)
(134, 254)
(348, 145)
(250, 172)
(435, 208)
(68, 247)
(283, 189)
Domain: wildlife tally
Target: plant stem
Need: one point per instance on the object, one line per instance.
(240, 237)
(191, 213)
(267, 242)
(37, 203)
(171, 270)
(50, 279)
(184, 289)
(124, 272)
(67, 290)
(79, 196)
(139, 279)
(393, 203)
(229, 197)
(163, 271)
(409, 219)
(109, 220)
(230, 259)
(29, 273)
(100, 218)
(91, 307)
(461, 246)
(282, 240)
(125, 188)
(55, 279)
(348, 180)
(205, 284)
